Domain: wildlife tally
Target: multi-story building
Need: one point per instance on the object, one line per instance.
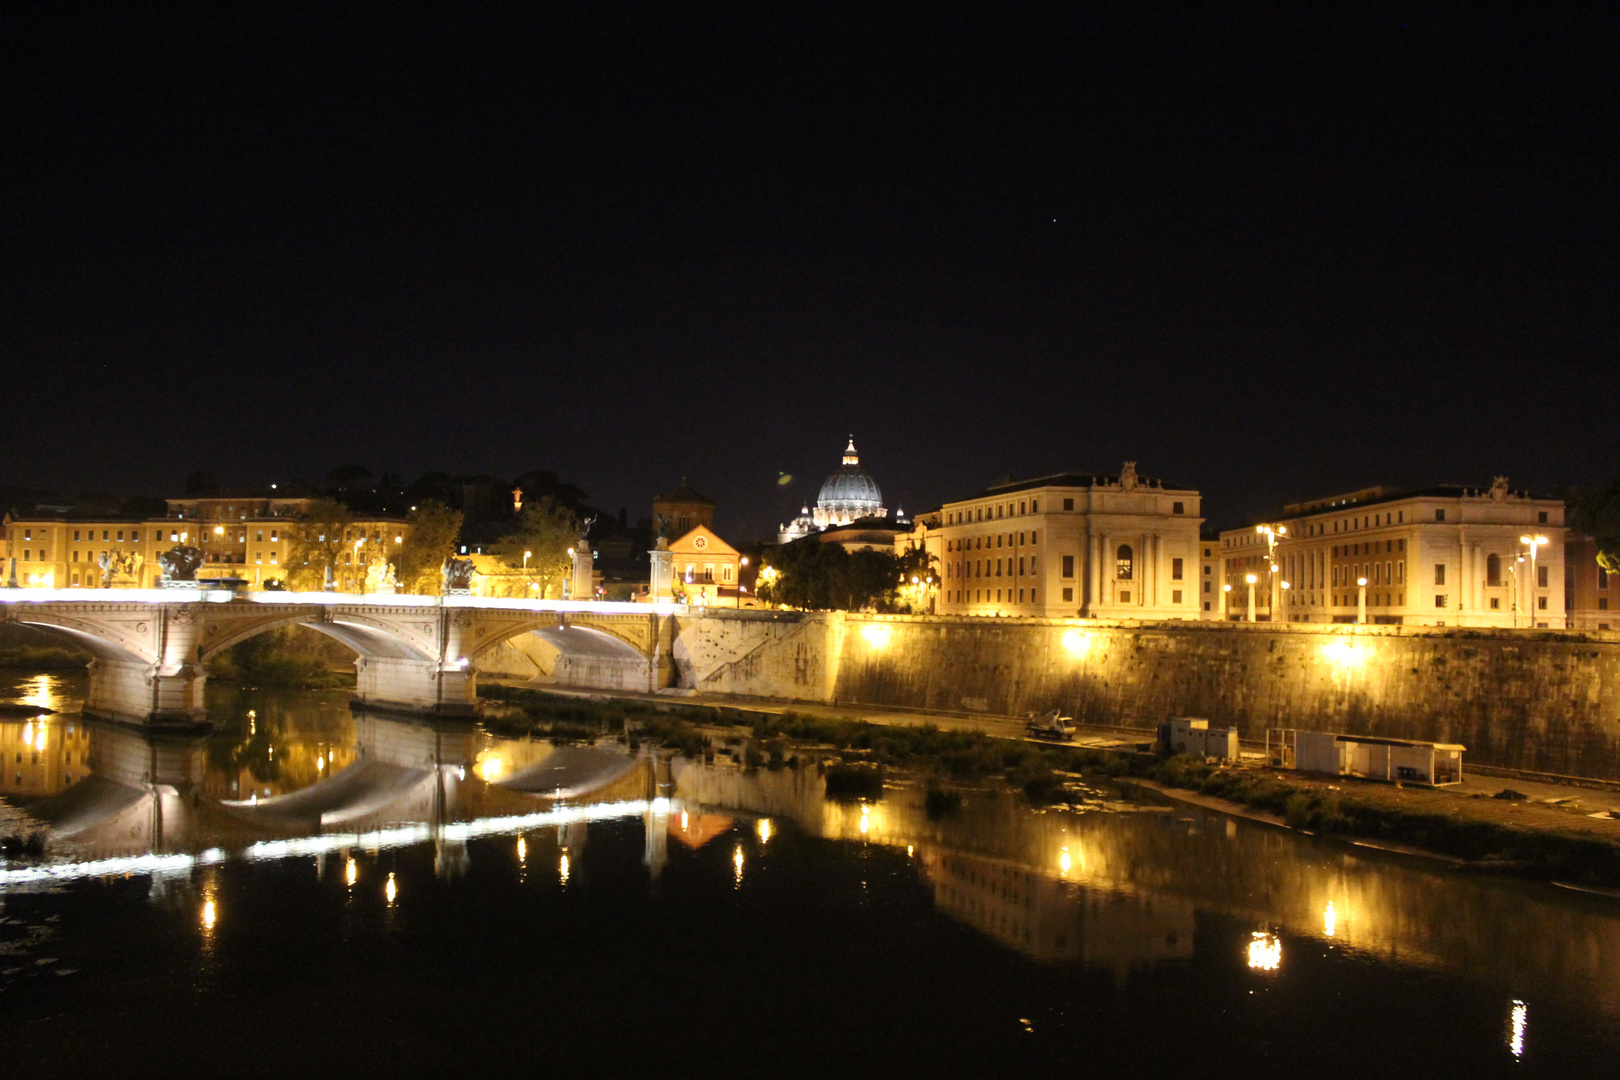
(1435, 556)
(1073, 544)
(242, 538)
(1591, 593)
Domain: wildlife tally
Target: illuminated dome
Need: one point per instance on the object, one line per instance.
(849, 493)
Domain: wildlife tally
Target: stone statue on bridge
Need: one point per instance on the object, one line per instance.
(180, 563)
(119, 568)
(457, 575)
(380, 577)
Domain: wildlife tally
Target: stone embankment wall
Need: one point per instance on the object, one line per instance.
(1520, 699)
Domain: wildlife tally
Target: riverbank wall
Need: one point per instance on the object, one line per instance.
(1537, 700)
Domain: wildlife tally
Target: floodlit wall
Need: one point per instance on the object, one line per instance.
(1522, 699)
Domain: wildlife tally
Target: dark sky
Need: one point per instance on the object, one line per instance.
(1267, 257)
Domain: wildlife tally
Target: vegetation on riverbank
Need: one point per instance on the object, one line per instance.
(946, 761)
(287, 658)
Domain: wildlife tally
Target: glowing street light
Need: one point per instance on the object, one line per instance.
(1361, 599)
(1272, 533)
(1534, 543)
(1226, 593)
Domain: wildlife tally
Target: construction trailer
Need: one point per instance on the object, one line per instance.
(1371, 757)
(1193, 735)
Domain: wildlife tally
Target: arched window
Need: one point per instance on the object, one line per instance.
(1123, 563)
(1493, 570)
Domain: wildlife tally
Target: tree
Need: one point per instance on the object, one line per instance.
(1597, 514)
(821, 577)
(430, 540)
(318, 543)
(536, 552)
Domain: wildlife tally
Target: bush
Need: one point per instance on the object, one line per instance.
(847, 781)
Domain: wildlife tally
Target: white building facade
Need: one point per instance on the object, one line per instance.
(1073, 544)
(1437, 556)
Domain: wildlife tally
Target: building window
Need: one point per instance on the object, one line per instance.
(1603, 603)
(1020, 596)
(1175, 596)
(1034, 537)
(1021, 510)
(1439, 599)
(1603, 578)
(1034, 508)
(1541, 576)
(1068, 504)
(75, 534)
(1541, 602)
(1175, 569)
(1439, 515)
(1124, 562)
(1125, 596)
(1493, 570)
(1439, 573)
(1068, 596)
(1178, 508)
(1068, 566)
(1207, 588)
(1542, 517)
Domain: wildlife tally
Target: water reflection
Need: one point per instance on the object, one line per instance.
(1110, 888)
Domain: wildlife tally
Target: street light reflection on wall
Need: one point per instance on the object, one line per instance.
(1076, 643)
(876, 635)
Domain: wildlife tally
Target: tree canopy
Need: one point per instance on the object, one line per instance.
(317, 546)
(1597, 514)
(824, 577)
(429, 541)
(536, 551)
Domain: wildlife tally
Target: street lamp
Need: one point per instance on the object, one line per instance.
(1534, 543)
(1251, 579)
(1272, 533)
(1361, 599)
(1285, 588)
(1226, 592)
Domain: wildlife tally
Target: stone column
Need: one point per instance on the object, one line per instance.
(584, 580)
(659, 586)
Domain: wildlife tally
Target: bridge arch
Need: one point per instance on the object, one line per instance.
(365, 638)
(575, 655)
(95, 640)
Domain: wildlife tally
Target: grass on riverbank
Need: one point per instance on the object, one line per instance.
(949, 760)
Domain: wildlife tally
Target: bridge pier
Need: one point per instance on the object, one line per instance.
(142, 693)
(418, 686)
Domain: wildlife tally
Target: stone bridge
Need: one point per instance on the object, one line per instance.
(415, 653)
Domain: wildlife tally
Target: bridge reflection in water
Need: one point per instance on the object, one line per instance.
(1108, 887)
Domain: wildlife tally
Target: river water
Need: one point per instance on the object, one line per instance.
(314, 891)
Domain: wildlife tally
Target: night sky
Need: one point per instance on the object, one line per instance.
(1268, 257)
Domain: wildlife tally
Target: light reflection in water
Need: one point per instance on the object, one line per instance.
(1329, 920)
(1064, 862)
(210, 915)
(763, 827)
(351, 873)
(522, 851)
(1265, 951)
(737, 864)
(40, 691)
(562, 867)
(391, 890)
(1519, 1021)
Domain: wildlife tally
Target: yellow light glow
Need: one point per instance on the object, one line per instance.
(737, 862)
(351, 873)
(1330, 921)
(1076, 643)
(210, 914)
(876, 635)
(523, 850)
(219, 530)
(491, 768)
(909, 851)
(391, 890)
(1520, 1021)
(1251, 579)
(1362, 582)
(1343, 653)
(683, 821)
(1065, 863)
(320, 764)
(763, 827)
(562, 867)
(1265, 951)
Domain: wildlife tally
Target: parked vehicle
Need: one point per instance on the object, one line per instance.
(1051, 724)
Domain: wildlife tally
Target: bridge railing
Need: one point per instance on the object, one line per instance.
(222, 596)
